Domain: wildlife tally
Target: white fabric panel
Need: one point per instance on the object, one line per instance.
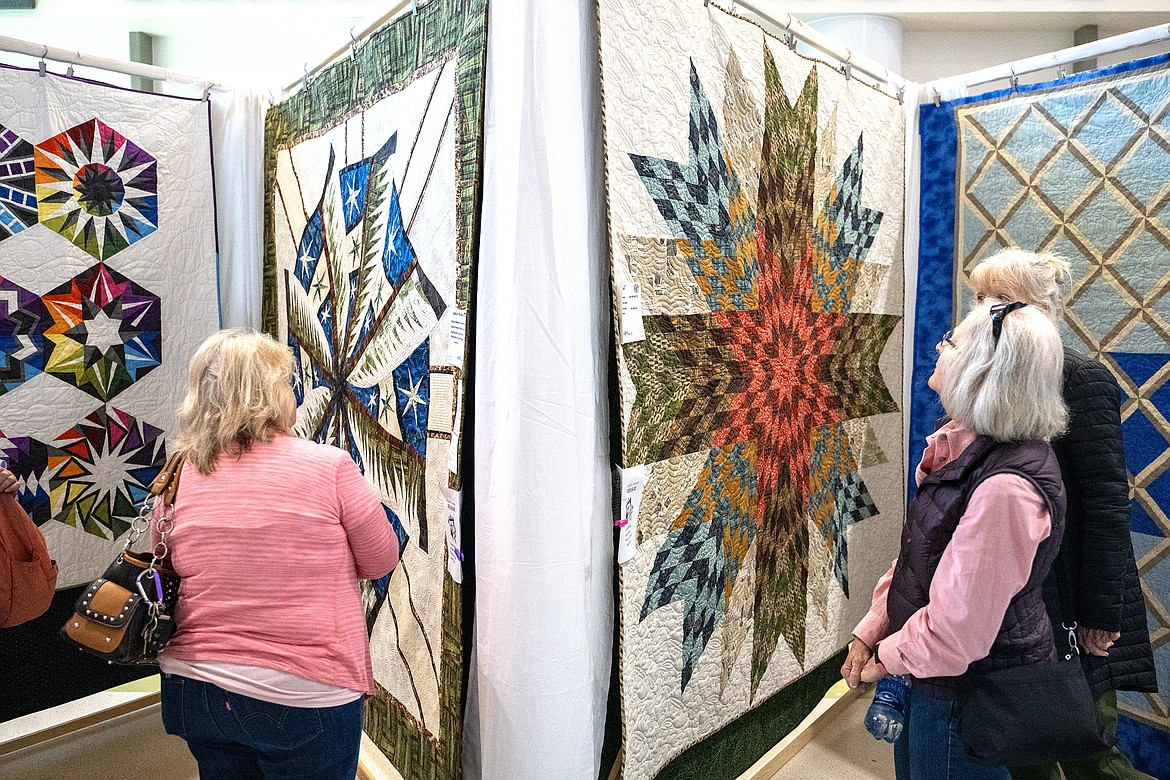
(237, 139)
(237, 147)
(543, 528)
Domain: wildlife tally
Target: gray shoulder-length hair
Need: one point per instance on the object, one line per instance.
(1010, 391)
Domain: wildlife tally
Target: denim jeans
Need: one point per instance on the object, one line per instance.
(236, 737)
(931, 748)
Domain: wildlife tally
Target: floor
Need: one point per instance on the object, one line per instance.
(134, 747)
(844, 750)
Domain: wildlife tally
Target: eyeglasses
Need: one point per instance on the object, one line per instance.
(946, 340)
(998, 312)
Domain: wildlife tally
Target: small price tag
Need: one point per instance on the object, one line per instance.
(458, 339)
(454, 500)
(632, 329)
(633, 482)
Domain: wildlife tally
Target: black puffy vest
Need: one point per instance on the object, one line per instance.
(1025, 637)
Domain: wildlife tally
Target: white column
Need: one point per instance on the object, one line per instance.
(879, 37)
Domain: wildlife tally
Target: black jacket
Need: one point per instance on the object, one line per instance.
(1097, 554)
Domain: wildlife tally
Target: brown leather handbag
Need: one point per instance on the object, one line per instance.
(127, 615)
(28, 576)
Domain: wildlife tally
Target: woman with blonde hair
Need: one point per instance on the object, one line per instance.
(266, 674)
(1097, 554)
(979, 539)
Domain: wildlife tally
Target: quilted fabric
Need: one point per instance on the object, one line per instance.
(372, 176)
(1076, 166)
(754, 200)
(107, 286)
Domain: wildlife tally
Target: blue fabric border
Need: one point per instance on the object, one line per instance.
(936, 249)
(1147, 747)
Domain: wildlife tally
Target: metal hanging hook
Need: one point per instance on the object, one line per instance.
(937, 97)
(846, 68)
(1014, 80)
(789, 36)
(41, 66)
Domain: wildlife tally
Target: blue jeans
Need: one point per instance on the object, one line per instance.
(236, 737)
(931, 748)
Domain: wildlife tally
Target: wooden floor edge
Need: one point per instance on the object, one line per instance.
(79, 724)
(814, 724)
(373, 764)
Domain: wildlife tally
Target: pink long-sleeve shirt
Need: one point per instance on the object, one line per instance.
(270, 547)
(988, 561)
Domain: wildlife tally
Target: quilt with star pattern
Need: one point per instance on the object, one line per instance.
(1079, 166)
(372, 174)
(107, 287)
(755, 210)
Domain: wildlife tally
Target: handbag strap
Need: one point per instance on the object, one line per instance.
(1068, 620)
(166, 484)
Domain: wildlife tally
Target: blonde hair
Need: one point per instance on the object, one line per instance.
(1010, 391)
(1035, 278)
(238, 392)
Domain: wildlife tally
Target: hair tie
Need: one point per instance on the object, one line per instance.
(998, 312)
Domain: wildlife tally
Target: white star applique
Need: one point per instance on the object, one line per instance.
(304, 260)
(413, 399)
(352, 199)
(102, 332)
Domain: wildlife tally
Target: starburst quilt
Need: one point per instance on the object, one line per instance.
(107, 286)
(755, 203)
(1078, 166)
(372, 177)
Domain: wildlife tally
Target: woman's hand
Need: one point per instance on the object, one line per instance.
(855, 661)
(873, 672)
(7, 481)
(1097, 641)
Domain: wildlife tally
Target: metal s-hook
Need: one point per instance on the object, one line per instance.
(789, 36)
(846, 68)
(353, 44)
(305, 78)
(41, 66)
(1014, 80)
(901, 95)
(936, 97)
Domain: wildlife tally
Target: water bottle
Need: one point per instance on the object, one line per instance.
(887, 715)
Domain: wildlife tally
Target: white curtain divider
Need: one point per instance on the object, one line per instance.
(543, 527)
(237, 137)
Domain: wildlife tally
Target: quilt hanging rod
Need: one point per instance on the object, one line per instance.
(358, 33)
(44, 52)
(823, 43)
(1013, 70)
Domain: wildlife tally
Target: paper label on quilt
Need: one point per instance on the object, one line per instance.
(633, 482)
(454, 499)
(632, 329)
(458, 339)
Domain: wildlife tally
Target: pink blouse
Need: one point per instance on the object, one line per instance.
(987, 562)
(270, 547)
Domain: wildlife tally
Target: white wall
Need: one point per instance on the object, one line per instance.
(262, 44)
(932, 54)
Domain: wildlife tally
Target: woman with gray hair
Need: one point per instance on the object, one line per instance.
(979, 539)
(1096, 555)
